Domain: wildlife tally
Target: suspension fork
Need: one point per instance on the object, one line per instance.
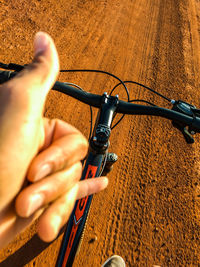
(98, 147)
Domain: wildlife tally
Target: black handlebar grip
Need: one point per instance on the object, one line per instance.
(6, 75)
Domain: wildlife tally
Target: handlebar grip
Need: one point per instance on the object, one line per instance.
(85, 97)
(6, 75)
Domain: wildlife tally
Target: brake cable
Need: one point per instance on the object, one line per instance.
(101, 71)
(142, 85)
(136, 100)
(126, 89)
(17, 67)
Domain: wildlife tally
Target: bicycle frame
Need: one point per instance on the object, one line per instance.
(98, 147)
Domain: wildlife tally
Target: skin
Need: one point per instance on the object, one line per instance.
(40, 158)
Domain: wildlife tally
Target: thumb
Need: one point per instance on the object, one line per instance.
(33, 83)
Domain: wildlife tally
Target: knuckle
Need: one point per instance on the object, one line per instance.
(60, 161)
(21, 204)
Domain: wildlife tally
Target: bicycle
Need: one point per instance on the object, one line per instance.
(184, 116)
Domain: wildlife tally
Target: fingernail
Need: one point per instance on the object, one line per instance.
(41, 42)
(43, 172)
(35, 203)
(105, 182)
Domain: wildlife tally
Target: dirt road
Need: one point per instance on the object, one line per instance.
(150, 213)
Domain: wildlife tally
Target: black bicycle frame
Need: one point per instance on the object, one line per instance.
(98, 147)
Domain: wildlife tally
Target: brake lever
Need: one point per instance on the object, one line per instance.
(189, 110)
(187, 135)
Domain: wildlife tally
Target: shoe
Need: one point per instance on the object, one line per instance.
(114, 261)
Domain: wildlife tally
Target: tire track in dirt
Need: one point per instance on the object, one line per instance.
(163, 251)
(128, 165)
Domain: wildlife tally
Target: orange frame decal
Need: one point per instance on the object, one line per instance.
(79, 212)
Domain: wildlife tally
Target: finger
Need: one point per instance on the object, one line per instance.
(47, 190)
(55, 216)
(91, 186)
(11, 225)
(34, 82)
(68, 146)
(55, 129)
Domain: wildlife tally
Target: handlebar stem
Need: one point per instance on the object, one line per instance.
(102, 129)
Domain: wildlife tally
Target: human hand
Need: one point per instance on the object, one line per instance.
(34, 149)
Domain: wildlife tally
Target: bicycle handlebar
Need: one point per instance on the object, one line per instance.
(123, 107)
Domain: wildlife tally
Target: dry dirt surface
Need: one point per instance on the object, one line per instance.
(150, 212)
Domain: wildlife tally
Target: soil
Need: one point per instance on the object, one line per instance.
(150, 212)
